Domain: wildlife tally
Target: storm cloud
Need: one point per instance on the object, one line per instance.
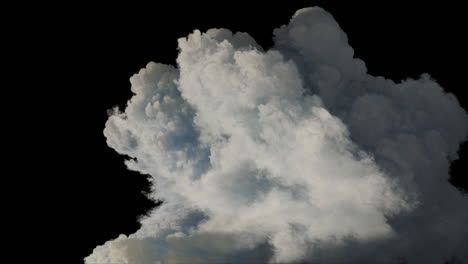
(294, 154)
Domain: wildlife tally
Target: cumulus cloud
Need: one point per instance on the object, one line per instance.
(289, 155)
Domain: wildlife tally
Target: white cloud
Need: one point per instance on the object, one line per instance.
(291, 154)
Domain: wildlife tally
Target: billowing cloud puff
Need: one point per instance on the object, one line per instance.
(288, 155)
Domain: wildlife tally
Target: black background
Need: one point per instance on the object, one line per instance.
(86, 55)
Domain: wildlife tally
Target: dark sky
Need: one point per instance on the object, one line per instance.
(100, 48)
